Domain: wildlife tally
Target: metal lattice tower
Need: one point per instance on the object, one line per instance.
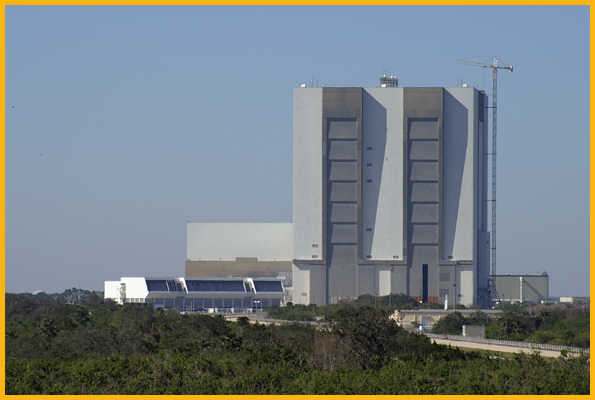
(494, 67)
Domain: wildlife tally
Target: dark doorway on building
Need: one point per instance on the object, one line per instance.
(424, 291)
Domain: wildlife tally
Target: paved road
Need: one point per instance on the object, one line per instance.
(493, 347)
(261, 318)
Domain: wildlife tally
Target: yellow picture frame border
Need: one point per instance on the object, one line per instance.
(5, 3)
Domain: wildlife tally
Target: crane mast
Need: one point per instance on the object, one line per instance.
(494, 67)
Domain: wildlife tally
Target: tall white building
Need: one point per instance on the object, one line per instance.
(389, 196)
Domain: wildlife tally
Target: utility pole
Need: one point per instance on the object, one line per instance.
(494, 67)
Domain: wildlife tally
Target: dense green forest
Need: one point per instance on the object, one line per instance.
(312, 312)
(104, 348)
(555, 324)
(561, 324)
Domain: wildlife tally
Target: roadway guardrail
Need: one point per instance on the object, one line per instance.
(511, 343)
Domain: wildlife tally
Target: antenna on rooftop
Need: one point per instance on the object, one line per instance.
(494, 67)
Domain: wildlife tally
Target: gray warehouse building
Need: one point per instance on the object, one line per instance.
(520, 288)
(389, 196)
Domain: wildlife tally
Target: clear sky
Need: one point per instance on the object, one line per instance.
(123, 123)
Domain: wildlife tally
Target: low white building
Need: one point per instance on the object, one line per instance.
(198, 295)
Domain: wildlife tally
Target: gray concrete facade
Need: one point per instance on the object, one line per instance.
(389, 196)
(521, 288)
(241, 266)
(400, 195)
(342, 149)
(423, 169)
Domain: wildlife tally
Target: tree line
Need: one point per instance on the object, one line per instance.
(560, 324)
(103, 348)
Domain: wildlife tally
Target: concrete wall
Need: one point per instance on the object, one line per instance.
(342, 147)
(382, 170)
(466, 286)
(423, 122)
(400, 280)
(522, 288)
(111, 290)
(418, 164)
(458, 169)
(239, 267)
(307, 174)
(301, 284)
(367, 280)
(384, 281)
(318, 284)
(309, 284)
(136, 288)
(227, 241)
(464, 210)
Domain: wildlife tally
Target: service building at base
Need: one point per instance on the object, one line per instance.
(198, 295)
(389, 196)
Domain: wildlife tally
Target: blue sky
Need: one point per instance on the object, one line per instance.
(123, 123)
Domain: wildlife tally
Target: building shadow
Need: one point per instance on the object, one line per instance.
(455, 141)
(374, 149)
